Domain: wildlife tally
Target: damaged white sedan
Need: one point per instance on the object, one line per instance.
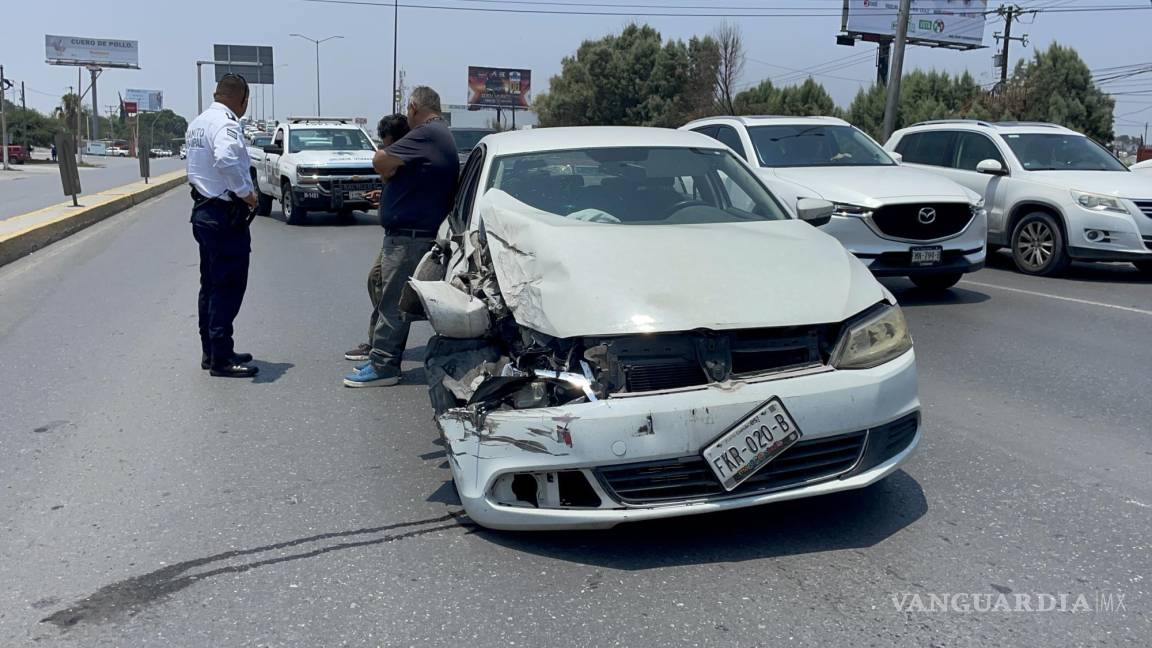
(630, 326)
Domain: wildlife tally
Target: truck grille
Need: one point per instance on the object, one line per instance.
(1144, 206)
(905, 222)
(690, 478)
(365, 172)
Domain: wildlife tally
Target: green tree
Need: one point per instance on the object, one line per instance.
(808, 98)
(632, 79)
(29, 126)
(1057, 87)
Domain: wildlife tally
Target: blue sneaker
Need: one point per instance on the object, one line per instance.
(369, 376)
(362, 365)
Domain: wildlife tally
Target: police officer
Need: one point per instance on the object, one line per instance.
(223, 200)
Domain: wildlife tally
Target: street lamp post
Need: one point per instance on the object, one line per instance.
(317, 44)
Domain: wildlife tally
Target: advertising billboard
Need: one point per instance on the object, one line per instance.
(102, 52)
(146, 100)
(498, 87)
(948, 23)
(265, 73)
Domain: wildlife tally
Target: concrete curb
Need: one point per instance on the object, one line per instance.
(35, 230)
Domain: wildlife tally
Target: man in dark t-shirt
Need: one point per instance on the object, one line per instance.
(420, 172)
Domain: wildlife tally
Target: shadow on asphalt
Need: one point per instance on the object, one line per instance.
(909, 295)
(326, 219)
(1078, 271)
(270, 372)
(849, 520)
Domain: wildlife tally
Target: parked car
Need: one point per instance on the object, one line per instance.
(117, 151)
(899, 221)
(315, 164)
(630, 326)
(467, 139)
(1052, 194)
(17, 154)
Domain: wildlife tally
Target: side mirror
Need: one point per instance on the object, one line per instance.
(274, 150)
(896, 156)
(814, 212)
(991, 167)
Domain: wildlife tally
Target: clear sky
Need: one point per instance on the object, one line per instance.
(437, 45)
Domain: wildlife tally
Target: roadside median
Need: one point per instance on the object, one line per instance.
(24, 234)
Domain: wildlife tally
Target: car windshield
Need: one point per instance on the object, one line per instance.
(262, 140)
(1061, 152)
(815, 146)
(328, 139)
(637, 185)
(468, 138)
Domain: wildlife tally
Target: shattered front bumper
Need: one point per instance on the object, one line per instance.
(652, 430)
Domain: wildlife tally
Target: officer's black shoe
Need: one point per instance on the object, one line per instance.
(234, 371)
(237, 358)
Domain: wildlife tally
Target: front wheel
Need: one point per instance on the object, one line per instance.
(1038, 246)
(294, 214)
(936, 281)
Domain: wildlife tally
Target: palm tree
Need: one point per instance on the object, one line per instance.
(68, 112)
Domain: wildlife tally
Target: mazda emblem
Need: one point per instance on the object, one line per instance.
(927, 216)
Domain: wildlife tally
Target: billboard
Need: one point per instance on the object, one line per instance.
(103, 52)
(498, 87)
(951, 23)
(146, 100)
(265, 73)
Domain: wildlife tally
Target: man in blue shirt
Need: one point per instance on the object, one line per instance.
(420, 173)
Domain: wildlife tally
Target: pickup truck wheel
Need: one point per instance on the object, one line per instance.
(345, 215)
(1038, 246)
(936, 282)
(263, 203)
(294, 214)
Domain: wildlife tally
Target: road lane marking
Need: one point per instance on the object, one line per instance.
(1129, 309)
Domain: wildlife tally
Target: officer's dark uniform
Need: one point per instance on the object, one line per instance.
(218, 170)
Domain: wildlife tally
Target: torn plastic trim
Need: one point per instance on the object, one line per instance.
(451, 312)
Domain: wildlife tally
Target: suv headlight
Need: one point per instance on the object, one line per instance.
(878, 336)
(1099, 202)
(844, 209)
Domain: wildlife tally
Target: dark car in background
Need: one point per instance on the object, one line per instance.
(467, 139)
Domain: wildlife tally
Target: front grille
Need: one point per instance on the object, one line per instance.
(675, 360)
(811, 460)
(690, 478)
(904, 221)
(367, 172)
(1144, 206)
(652, 376)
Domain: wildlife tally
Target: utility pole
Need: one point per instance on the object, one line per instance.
(317, 44)
(893, 101)
(1010, 13)
(23, 102)
(395, 48)
(95, 72)
(4, 117)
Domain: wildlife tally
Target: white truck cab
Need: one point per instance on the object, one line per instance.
(315, 164)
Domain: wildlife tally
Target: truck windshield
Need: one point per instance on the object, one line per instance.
(328, 139)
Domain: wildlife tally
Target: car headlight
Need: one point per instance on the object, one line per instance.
(880, 335)
(1099, 202)
(844, 209)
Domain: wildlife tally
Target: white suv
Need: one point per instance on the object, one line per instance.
(1052, 194)
(898, 221)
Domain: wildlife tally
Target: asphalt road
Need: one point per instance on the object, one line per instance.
(145, 504)
(29, 187)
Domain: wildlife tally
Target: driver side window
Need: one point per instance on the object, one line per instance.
(461, 214)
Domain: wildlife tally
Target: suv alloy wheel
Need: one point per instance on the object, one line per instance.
(1038, 245)
(294, 214)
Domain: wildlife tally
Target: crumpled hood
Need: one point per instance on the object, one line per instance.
(333, 158)
(865, 185)
(567, 278)
(1112, 183)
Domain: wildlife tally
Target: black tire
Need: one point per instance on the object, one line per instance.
(1144, 267)
(1038, 245)
(294, 214)
(263, 201)
(936, 282)
(346, 215)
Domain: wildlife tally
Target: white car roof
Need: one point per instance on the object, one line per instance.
(769, 120)
(582, 137)
(1003, 128)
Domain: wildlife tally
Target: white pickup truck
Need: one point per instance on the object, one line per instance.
(315, 164)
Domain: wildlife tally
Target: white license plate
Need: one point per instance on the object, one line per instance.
(752, 443)
(926, 256)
